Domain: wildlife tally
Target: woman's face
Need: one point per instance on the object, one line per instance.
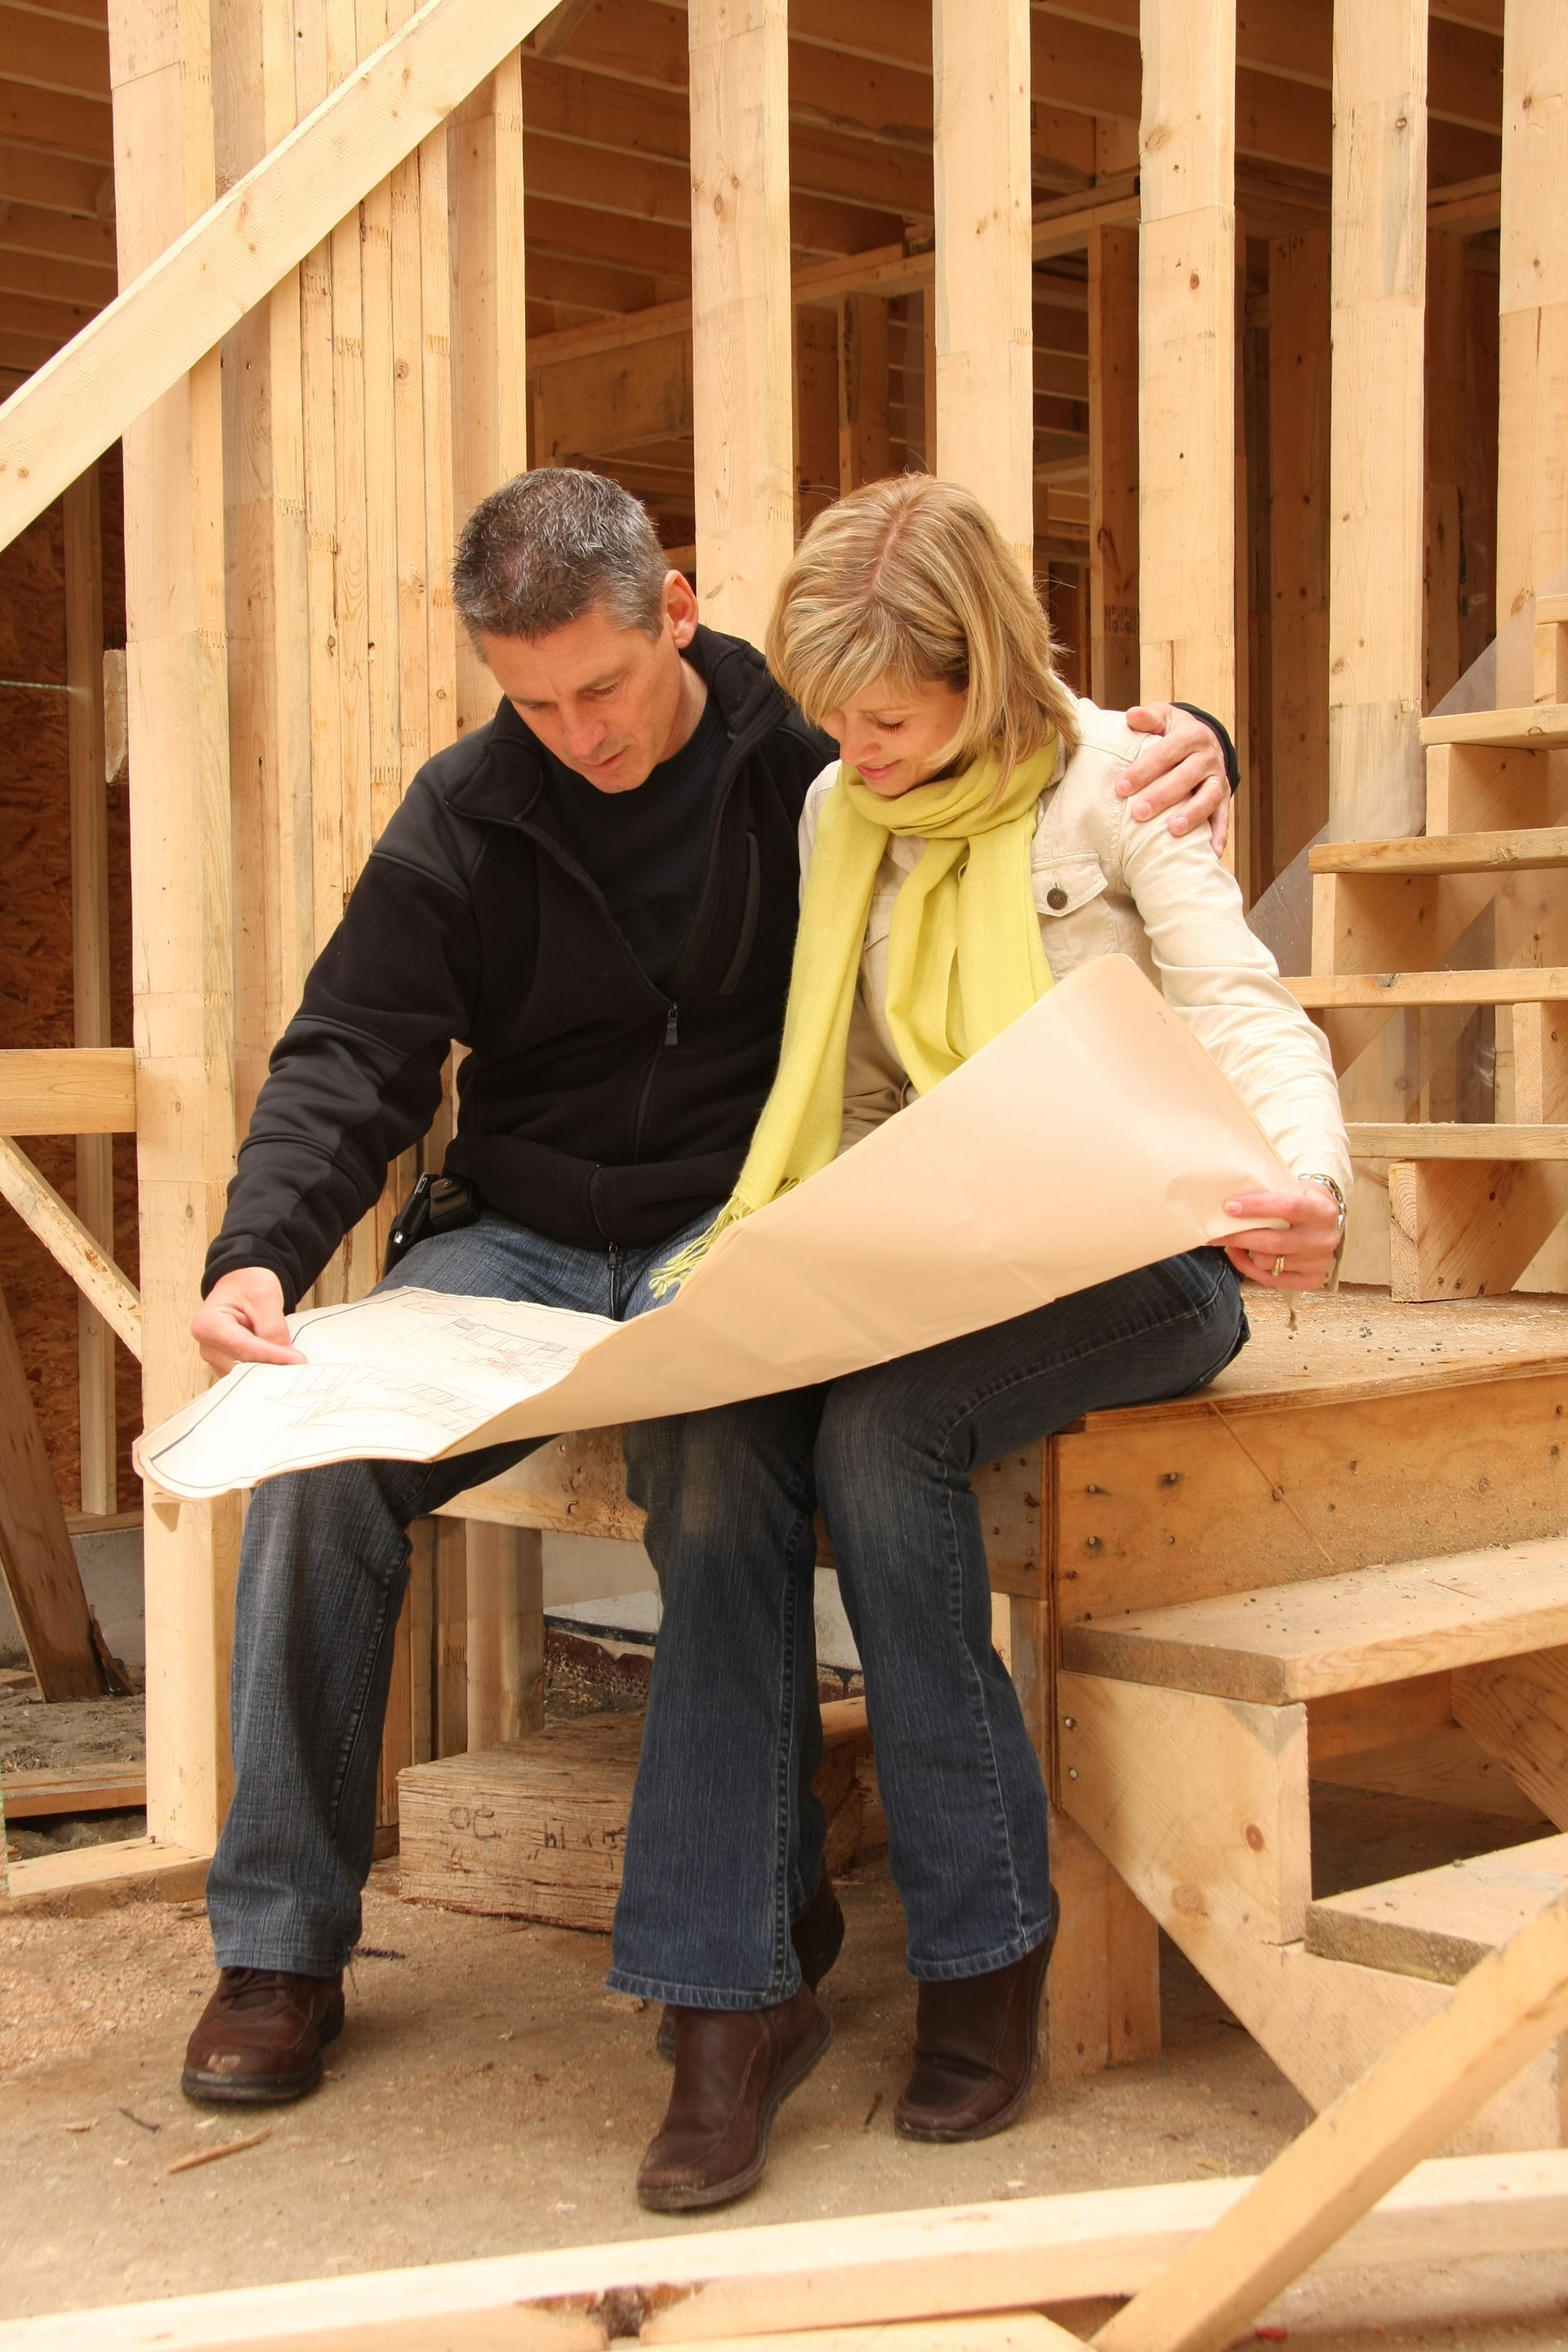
(896, 734)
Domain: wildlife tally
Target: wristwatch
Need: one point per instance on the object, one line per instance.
(1329, 1185)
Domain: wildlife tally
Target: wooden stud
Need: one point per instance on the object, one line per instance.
(816, 413)
(89, 960)
(181, 879)
(985, 322)
(1187, 456)
(865, 448)
(1447, 321)
(68, 1090)
(1518, 1709)
(505, 1646)
(1113, 466)
(1532, 431)
(487, 320)
(740, 307)
(1299, 538)
(1377, 469)
(36, 1562)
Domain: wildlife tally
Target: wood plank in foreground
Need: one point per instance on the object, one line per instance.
(1380, 991)
(1454, 1140)
(1536, 726)
(91, 1788)
(857, 2271)
(1535, 848)
(67, 1090)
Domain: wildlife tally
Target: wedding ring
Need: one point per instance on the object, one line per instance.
(1279, 1267)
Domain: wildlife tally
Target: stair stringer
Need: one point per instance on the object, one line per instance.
(1201, 1804)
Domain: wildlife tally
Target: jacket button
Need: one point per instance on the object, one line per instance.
(1057, 897)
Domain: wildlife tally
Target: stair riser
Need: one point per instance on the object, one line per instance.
(1153, 1510)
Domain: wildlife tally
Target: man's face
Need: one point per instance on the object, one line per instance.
(611, 703)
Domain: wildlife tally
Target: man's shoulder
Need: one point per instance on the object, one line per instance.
(428, 831)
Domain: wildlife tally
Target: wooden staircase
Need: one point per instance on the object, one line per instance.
(1471, 1201)
(1189, 1737)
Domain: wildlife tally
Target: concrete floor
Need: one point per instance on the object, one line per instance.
(490, 2095)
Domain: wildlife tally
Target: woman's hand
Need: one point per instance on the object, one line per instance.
(1300, 1259)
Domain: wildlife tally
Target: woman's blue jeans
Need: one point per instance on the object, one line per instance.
(722, 1849)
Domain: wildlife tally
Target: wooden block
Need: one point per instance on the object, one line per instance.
(1518, 1709)
(1540, 1034)
(1459, 1229)
(36, 1557)
(535, 1829)
(1438, 1924)
(68, 1090)
(1102, 1994)
(96, 1878)
(1551, 655)
(1282, 1643)
(504, 1653)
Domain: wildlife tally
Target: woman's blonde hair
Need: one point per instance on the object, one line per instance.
(910, 577)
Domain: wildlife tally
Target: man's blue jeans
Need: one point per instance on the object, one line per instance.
(719, 1853)
(322, 1574)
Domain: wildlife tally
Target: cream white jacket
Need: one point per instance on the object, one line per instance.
(1106, 884)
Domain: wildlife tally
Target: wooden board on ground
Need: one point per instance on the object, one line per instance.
(535, 1829)
(88, 1789)
(1439, 1923)
(1324, 1634)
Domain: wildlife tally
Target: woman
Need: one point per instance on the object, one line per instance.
(969, 849)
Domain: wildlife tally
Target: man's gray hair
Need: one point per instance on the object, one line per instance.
(550, 546)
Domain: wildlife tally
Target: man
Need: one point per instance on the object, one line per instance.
(596, 893)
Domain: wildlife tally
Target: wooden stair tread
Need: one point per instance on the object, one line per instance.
(1535, 726)
(1330, 1633)
(1453, 1139)
(1438, 1924)
(1551, 610)
(1522, 850)
(1377, 991)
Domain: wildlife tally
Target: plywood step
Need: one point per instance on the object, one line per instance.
(1525, 849)
(1537, 726)
(1438, 1924)
(1453, 1139)
(1331, 1633)
(1377, 991)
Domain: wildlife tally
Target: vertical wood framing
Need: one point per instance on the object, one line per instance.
(1299, 537)
(1376, 453)
(505, 1654)
(985, 320)
(1186, 464)
(742, 306)
(1113, 466)
(160, 70)
(89, 960)
(38, 1566)
(816, 413)
(1533, 300)
(489, 415)
(865, 444)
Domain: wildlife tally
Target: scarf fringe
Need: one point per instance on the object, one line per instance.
(666, 1279)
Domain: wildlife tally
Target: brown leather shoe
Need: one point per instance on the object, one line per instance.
(818, 1939)
(734, 2070)
(258, 2040)
(976, 2040)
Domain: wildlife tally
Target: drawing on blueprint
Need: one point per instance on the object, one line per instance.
(320, 1394)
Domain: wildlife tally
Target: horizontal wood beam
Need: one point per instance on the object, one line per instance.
(68, 1241)
(870, 2269)
(68, 1090)
(48, 119)
(35, 228)
(202, 284)
(57, 182)
(54, 53)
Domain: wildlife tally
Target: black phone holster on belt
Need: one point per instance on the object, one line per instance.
(437, 1204)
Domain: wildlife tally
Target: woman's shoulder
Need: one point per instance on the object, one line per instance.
(1084, 799)
(816, 793)
(1105, 741)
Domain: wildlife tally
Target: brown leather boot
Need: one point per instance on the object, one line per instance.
(734, 2070)
(976, 2039)
(258, 2040)
(818, 1939)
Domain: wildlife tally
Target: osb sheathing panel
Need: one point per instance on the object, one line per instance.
(35, 959)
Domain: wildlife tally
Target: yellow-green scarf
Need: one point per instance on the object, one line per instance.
(964, 958)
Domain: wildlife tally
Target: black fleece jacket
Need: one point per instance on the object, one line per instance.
(593, 1107)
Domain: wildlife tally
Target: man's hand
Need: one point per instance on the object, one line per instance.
(1182, 768)
(240, 1321)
